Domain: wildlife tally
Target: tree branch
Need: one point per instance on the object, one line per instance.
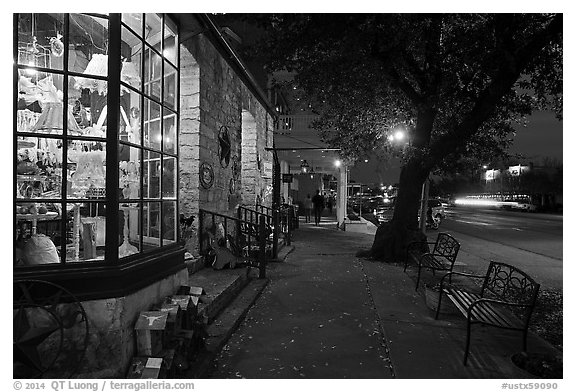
(502, 82)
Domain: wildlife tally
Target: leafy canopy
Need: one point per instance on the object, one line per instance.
(457, 82)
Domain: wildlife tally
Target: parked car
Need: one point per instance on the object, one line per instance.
(437, 209)
(524, 206)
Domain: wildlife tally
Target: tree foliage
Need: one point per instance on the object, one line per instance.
(476, 75)
(456, 82)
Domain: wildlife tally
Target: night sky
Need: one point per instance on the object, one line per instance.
(542, 137)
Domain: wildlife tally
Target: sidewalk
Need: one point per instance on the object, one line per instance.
(327, 314)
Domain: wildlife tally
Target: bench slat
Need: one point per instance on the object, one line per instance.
(433, 262)
(488, 313)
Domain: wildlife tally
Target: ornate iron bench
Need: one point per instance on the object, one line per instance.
(506, 299)
(441, 258)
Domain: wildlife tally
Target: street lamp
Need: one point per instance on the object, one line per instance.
(399, 135)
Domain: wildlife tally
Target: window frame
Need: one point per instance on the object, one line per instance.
(135, 270)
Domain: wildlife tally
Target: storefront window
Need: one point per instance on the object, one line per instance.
(61, 160)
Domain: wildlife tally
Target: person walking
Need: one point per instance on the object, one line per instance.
(318, 202)
(308, 205)
(330, 203)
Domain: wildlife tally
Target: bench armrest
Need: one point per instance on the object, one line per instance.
(449, 274)
(419, 242)
(462, 274)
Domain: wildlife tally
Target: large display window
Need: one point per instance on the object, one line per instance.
(95, 130)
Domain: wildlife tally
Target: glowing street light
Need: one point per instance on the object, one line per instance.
(399, 135)
(337, 163)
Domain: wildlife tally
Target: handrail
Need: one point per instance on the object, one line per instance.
(251, 229)
(254, 216)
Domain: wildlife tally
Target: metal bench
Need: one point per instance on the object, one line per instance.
(506, 299)
(441, 258)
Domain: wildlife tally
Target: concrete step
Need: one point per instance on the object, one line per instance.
(223, 326)
(221, 287)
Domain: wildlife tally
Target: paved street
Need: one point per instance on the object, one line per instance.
(533, 242)
(533, 232)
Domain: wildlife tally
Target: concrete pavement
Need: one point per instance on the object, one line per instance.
(327, 314)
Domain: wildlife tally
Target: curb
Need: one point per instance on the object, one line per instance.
(223, 326)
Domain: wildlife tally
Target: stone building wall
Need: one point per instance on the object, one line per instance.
(214, 98)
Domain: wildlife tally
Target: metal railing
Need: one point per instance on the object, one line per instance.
(246, 238)
(270, 217)
(298, 122)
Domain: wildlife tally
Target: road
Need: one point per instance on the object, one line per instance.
(533, 242)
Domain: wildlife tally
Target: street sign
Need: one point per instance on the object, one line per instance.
(287, 178)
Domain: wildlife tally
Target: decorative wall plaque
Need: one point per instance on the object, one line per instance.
(206, 175)
(224, 146)
(236, 167)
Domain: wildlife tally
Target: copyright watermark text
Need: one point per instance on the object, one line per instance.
(102, 385)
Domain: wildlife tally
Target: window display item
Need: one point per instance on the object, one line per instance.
(39, 249)
(52, 119)
(99, 223)
(27, 167)
(56, 45)
(89, 172)
(98, 65)
(126, 248)
(89, 240)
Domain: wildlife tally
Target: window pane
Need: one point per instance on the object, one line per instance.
(169, 178)
(88, 108)
(129, 172)
(170, 141)
(86, 232)
(170, 51)
(153, 74)
(131, 47)
(169, 222)
(130, 117)
(151, 225)
(153, 30)
(39, 168)
(40, 41)
(130, 233)
(38, 233)
(152, 135)
(88, 46)
(86, 172)
(151, 175)
(170, 86)
(40, 107)
(134, 21)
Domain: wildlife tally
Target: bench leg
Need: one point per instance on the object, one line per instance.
(439, 304)
(468, 330)
(418, 278)
(525, 339)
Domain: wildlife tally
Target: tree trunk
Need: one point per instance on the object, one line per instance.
(392, 237)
